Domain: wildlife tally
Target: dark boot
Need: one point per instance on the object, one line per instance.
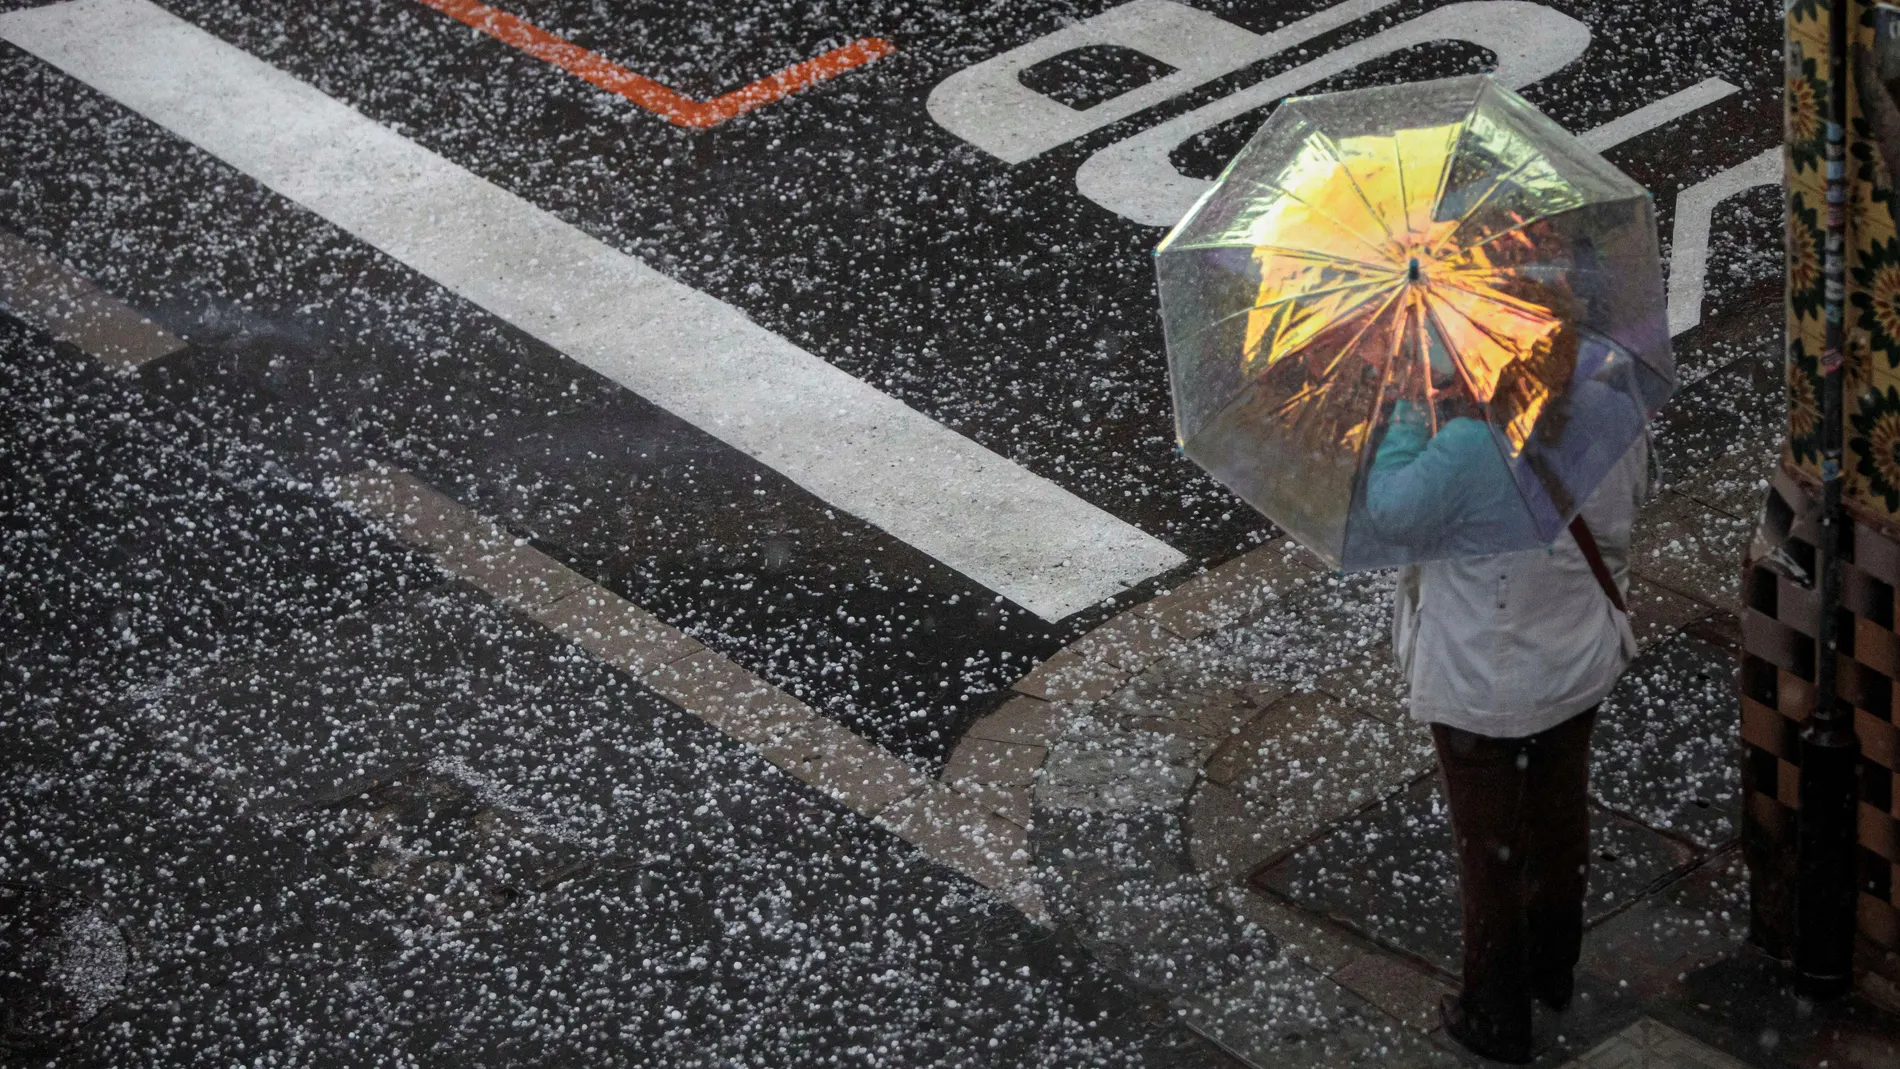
(1476, 1037)
(1554, 989)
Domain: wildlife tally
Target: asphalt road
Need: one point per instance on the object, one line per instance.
(990, 276)
(551, 865)
(993, 298)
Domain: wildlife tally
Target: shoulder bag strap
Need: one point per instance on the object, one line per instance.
(1587, 542)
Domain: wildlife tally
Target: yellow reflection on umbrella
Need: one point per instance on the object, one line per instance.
(1356, 238)
(1430, 243)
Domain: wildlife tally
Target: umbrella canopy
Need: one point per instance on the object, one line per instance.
(1415, 321)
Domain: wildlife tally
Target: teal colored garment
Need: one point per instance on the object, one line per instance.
(1447, 494)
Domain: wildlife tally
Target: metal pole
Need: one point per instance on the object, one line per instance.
(1825, 915)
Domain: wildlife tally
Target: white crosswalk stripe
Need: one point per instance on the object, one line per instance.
(857, 448)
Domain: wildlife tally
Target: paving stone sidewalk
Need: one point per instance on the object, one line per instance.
(1228, 803)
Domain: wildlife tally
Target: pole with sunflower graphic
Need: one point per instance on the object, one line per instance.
(1826, 828)
(1820, 672)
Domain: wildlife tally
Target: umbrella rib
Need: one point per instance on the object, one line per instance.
(1405, 197)
(1297, 254)
(1486, 291)
(1519, 227)
(1484, 199)
(1444, 170)
(1370, 322)
(1332, 149)
(1425, 365)
(1316, 293)
(1457, 358)
(1335, 220)
(1524, 270)
(1405, 202)
(1495, 296)
(1458, 361)
(1385, 383)
(1431, 309)
(1339, 314)
(1204, 328)
(1327, 373)
(1329, 257)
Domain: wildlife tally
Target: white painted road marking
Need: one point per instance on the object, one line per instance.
(40, 290)
(987, 105)
(860, 450)
(1135, 179)
(1655, 113)
(951, 826)
(1689, 240)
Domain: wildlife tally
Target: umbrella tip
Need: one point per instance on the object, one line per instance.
(1411, 273)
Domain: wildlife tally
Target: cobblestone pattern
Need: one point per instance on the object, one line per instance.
(1650, 1044)
(1138, 751)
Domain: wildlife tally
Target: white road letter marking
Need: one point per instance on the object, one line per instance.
(1134, 178)
(1655, 113)
(986, 105)
(1689, 240)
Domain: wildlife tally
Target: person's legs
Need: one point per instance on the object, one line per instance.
(1557, 853)
(1486, 789)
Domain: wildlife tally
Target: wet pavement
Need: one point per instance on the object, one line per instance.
(346, 809)
(1231, 805)
(994, 298)
(389, 822)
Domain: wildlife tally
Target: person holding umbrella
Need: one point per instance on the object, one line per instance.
(1507, 668)
(1423, 327)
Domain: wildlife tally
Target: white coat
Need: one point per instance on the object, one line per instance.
(1511, 644)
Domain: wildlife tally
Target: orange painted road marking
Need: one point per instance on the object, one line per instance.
(647, 93)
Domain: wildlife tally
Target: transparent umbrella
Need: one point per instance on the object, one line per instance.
(1415, 321)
